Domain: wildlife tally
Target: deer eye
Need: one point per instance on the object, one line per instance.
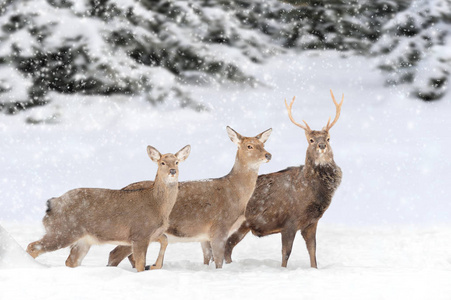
(250, 147)
(163, 164)
(176, 162)
(328, 139)
(312, 141)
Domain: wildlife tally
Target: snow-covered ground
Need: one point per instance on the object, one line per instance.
(386, 235)
(354, 263)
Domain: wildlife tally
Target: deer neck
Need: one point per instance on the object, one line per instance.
(243, 178)
(323, 179)
(166, 193)
(312, 169)
(242, 169)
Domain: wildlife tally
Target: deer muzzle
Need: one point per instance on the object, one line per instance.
(322, 148)
(268, 156)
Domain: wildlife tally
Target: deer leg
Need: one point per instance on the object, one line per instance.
(139, 249)
(309, 235)
(118, 254)
(233, 240)
(288, 235)
(132, 260)
(218, 246)
(49, 242)
(206, 250)
(35, 249)
(77, 253)
(163, 240)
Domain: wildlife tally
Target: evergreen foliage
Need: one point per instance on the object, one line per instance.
(414, 48)
(156, 48)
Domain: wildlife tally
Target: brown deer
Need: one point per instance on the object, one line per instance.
(209, 210)
(87, 216)
(295, 198)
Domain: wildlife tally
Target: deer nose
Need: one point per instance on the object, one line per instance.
(322, 146)
(268, 156)
(172, 171)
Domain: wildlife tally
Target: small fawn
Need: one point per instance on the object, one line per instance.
(87, 216)
(295, 198)
(209, 210)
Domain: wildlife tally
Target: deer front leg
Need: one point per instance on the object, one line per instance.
(234, 239)
(163, 240)
(218, 246)
(118, 254)
(139, 249)
(309, 235)
(288, 235)
(206, 250)
(78, 251)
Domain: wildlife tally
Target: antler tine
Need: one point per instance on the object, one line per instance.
(337, 112)
(306, 127)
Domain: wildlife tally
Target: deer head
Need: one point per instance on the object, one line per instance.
(319, 148)
(168, 163)
(251, 150)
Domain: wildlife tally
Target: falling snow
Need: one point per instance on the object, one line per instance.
(386, 234)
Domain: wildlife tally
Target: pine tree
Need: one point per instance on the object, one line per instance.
(154, 49)
(414, 48)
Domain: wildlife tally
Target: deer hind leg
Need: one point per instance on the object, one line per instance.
(163, 240)
(50, 242)
(132, 260)
(139, 249)
(77, 253)
(234, 239)
(206, 250)
(288, 235)
(35, 249)
(309, 235)
(118, 254)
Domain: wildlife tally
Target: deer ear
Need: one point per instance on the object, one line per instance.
(153, 153)
(263, 137)
(234, 136)
(183, 153)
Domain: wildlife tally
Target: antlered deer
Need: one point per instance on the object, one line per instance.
(295, 198)
(87, 216)
(208, 210)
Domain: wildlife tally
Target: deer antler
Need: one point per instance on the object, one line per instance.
(306, 127)
(337, 113)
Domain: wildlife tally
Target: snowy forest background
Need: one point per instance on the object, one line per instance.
(157, 49)
(86, 85)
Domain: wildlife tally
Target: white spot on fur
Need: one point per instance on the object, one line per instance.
(205, 180)
(172, 178)
(198, 238)
(322, 159)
